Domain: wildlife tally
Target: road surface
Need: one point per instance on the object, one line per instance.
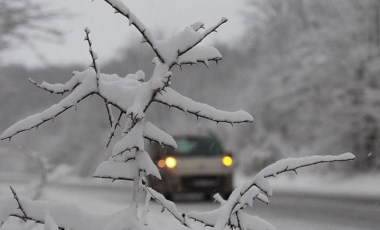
(286, 211)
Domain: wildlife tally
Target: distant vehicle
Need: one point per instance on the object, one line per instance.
(198, 165)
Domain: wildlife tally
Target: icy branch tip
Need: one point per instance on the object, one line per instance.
(198, 25)
(247, 115)
(87, 30)
(347, 156)
(224, 19)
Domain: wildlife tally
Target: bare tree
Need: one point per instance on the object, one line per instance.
(21, 21)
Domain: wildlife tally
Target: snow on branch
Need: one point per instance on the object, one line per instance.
(50, 223)
(174, 99)
(126, 170)
(58, 88)
(166, 204)
(231, 212)
(153, 133)
(202, 54)
(64, 216)
(116, 170)
(19, 207)
(133, 140)
(34, 121)
(196, 41)
(121, 8)
(94, 56)
(185, 43)
(289, 165)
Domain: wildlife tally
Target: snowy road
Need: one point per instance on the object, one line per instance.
(286, 211)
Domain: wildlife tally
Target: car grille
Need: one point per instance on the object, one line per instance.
(202, 182)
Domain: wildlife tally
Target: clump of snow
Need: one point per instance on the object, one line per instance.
(153, 133)
(116, 170)
(50, 223)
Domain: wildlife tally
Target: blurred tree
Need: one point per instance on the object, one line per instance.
(22, 21)
(315, 67)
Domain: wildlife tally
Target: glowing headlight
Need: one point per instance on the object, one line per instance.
(170, 162)
(161, 163)
(227, 161)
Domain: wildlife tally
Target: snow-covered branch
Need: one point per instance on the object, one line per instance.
(202, 54)
(34, 121)
(167, 204)
(58, 88)
(153, 133)
(94, 56)
(289, 165)
(65, 217)
(133, 140)
(174, 99)
(259, 188)
(196, 41)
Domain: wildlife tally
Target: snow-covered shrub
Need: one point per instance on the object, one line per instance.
(127, 160)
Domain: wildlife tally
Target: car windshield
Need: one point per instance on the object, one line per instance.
(188, 146)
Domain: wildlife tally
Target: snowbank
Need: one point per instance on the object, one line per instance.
(360, 186)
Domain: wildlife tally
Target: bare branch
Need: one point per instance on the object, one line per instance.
(109, 113)
(94, 56)
(114, 178)
(114, 127)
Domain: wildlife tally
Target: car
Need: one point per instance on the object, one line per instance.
(199, 164)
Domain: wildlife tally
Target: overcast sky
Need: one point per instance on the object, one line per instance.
(111, 32)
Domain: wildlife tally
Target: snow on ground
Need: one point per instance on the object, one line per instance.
(95, 195)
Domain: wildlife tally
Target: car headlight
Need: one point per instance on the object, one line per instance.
(161, 163)
(170, 162)
(227, 161)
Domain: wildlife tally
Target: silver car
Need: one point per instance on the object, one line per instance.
(198, 165)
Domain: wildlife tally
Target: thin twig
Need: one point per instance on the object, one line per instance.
(15, 196)
(94, 56)
(133, 20)
(109, 113)
(114, 127)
